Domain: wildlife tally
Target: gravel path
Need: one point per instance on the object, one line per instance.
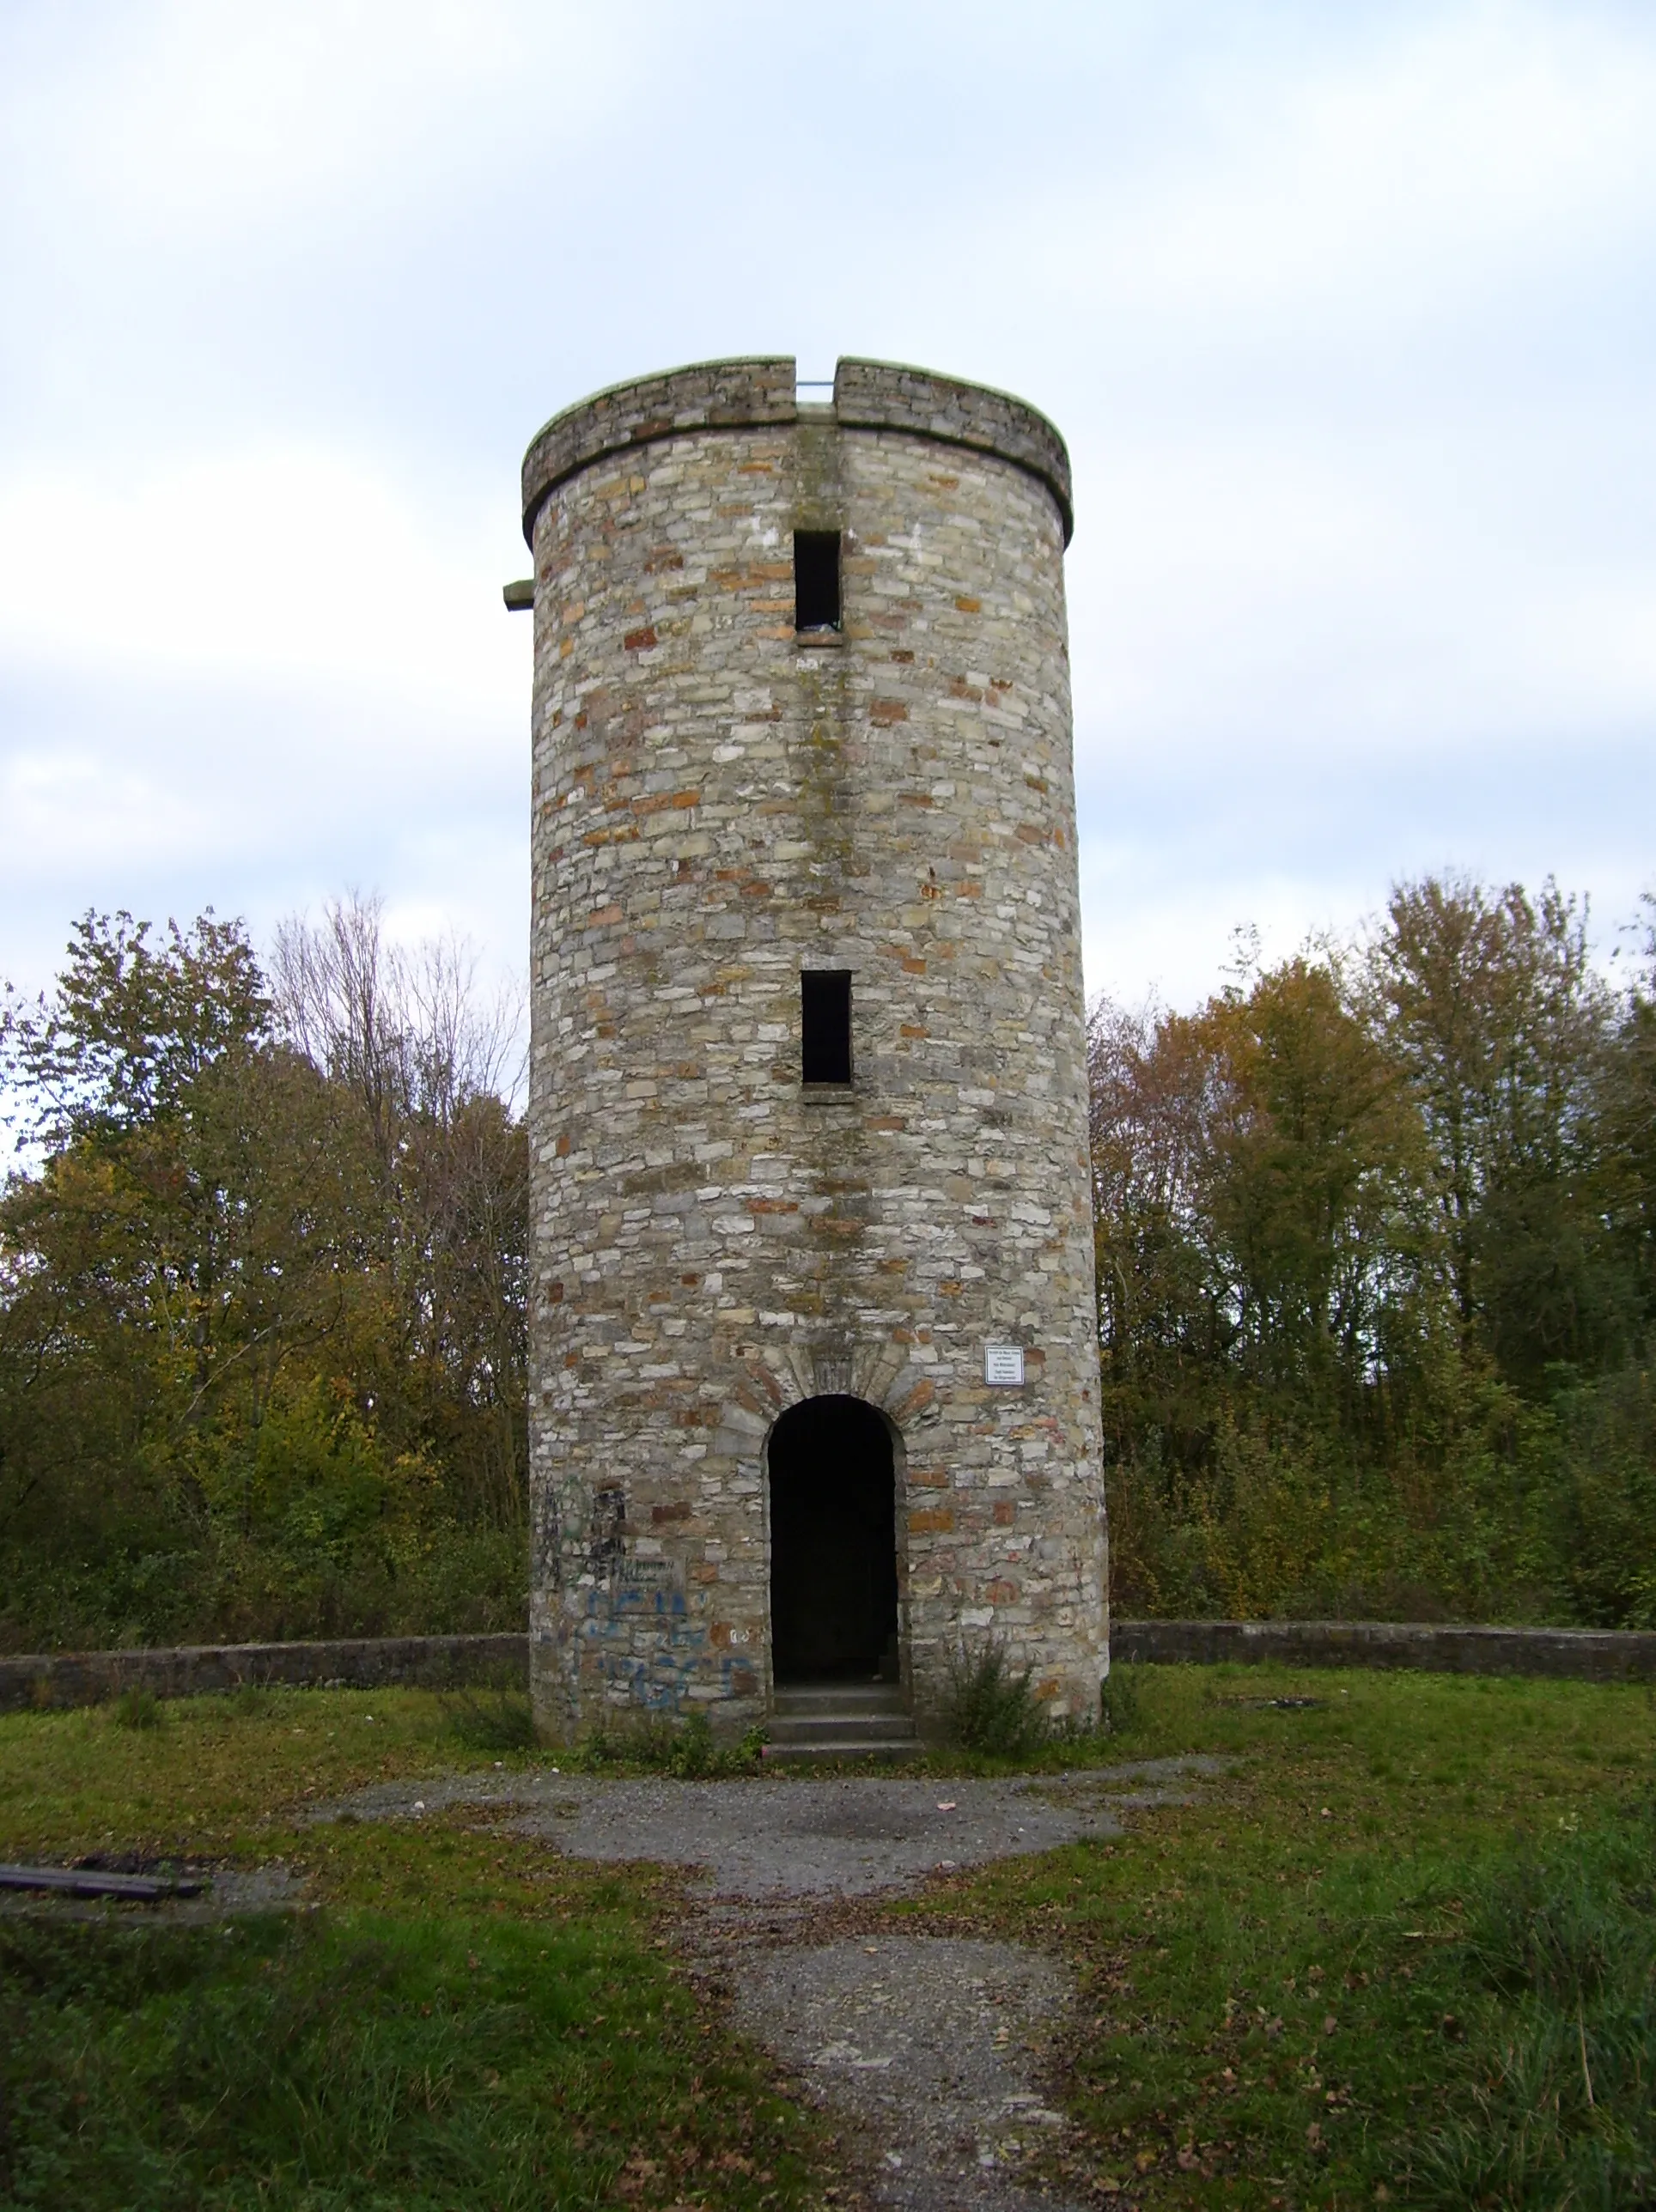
(934, 2047)
(935, 2044)
(773, 1837)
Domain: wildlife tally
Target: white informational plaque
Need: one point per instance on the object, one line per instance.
(1003, 1366)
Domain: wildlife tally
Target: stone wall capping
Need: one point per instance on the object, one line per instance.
(740, 393)
(751, 394)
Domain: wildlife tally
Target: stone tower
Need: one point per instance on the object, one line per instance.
(813, 1366)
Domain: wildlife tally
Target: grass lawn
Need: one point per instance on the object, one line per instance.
(1402, 1953)
(466, 2021)
(1405, 1954)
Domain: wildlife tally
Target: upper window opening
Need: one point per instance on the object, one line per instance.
(816, 579)
(826, 1026)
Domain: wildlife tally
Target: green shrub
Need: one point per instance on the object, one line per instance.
(1500, 1510)
(1609, 1432)
(139, 1709)
(1120, 1709)
(657, 1745)
(990, 1707)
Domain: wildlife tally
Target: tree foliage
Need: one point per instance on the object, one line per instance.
(1374, 1243)
(1376, 1269)
(262, 1301)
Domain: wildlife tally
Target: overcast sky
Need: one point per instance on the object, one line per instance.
(1347, 313)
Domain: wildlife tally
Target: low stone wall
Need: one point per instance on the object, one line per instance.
(1590, 1655)
(44, 1679)
(360, 1662)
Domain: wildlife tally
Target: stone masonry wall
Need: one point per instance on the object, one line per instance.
(718, 803)
(875, 395)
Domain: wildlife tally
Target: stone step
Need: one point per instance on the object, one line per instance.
(826, 1728)
(863, 1721)
(841, 1698)
(794, 1754)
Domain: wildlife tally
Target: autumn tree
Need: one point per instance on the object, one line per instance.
(261, 1324)
(1255, 1168)
(1488, 1005)
(429, 1067)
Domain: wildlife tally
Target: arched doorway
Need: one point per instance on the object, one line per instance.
(833, 1544)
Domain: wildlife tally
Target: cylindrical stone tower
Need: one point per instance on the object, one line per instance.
(813, 1364)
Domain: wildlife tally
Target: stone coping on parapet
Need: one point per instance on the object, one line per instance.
(761, 394)
(45, 1680)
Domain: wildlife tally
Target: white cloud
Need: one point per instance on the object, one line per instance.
(1345, 312)
(187, 121)
(285, 565)
(1393, 176)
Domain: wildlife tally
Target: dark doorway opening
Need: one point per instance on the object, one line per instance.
(833, 1544)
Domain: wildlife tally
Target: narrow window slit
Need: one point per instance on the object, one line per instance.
(826, 1026)
(816, 579)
